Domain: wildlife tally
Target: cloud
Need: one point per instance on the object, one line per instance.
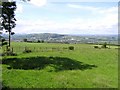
(19, 8)
(103, 25)
(98, 10)
(82, 7)
(106, 22)
(38, 3)
(109, 10)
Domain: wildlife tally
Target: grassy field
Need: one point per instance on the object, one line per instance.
(50, 65)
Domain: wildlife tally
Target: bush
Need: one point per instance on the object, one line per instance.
(42, 41)
(27, 50)
(96, 47)
(65, 48)
(71, 48)
(9, 53)
(104, 45)
(38, 41)
(4, 43)
(25, 40)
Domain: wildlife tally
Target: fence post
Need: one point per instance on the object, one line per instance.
(12, 49)
(46, 49)
(25, 48)
(34, 49)
(39, 48)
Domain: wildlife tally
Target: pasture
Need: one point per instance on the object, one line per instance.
(52, 65)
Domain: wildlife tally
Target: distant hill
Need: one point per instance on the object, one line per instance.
(61, 38)
(42, 36)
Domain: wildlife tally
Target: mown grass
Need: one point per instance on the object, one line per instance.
(84, 67)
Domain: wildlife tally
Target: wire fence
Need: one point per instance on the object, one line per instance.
(37, 49)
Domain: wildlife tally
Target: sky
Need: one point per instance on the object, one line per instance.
(70, 17)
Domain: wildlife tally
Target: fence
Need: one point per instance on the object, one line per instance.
(43, 48)
(38, 49)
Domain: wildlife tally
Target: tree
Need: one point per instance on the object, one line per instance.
(25, 40)
(38, 41)
(104, 45)
(8, 17)
(42, 41)
(3, 42)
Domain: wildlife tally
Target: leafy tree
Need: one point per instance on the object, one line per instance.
(104, 45)
(42, 41)
(1, 4)
(38, 41)
(8, 17)
(25, 40)
(3, 41)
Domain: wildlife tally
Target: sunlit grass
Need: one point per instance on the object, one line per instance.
(104, 75)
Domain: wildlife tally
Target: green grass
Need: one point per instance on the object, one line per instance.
(85, 67)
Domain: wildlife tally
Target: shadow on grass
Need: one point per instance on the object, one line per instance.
(58, 63)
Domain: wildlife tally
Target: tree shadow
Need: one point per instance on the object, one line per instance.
(58, 63)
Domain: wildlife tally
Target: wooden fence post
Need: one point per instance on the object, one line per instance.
(34, 49)
(12, 49)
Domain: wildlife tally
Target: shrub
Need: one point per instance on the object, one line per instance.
(25, 40)
(38, 41)
(2, 40)
(65, 48)
(30, 41)
(42, 41)
(104, 45)
(27, 50)
(9, 53)
(96, 47)
(71, 47)
(4, 43)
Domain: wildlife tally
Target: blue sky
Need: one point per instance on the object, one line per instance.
(70, 17)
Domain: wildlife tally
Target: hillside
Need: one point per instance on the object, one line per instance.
(61, 38)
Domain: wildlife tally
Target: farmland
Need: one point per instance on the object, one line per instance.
(52, 65)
